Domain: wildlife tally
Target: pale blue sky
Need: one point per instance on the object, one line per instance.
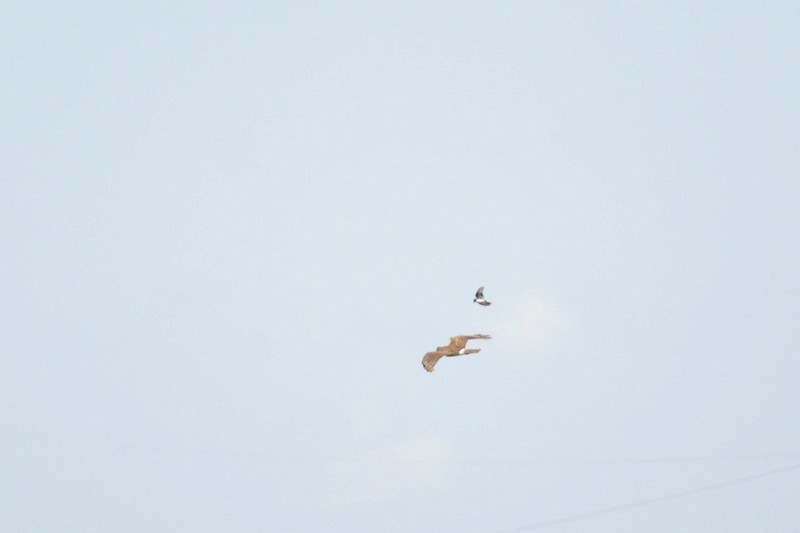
(231, 230)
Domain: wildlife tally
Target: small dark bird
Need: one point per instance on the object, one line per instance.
(457, 346)
(480, 299)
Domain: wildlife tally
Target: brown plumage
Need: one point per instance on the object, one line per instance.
(456, 347)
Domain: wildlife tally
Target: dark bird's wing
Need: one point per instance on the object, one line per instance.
(479, 294)
(430, 360)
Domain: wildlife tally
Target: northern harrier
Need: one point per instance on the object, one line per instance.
(480, 299)
(457, 346)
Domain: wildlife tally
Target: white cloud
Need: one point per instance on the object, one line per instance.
(534, 324)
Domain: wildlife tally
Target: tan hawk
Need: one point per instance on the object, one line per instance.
(457, 346)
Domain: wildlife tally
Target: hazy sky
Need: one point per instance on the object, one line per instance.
(231, 230)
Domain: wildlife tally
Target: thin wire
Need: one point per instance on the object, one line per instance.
(642, 460)
(665, 497)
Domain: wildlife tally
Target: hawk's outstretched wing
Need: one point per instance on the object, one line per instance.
(479, 294)
(430, 359)
(460, 342)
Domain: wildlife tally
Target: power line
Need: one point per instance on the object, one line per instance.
(665, 497)
(640, 460)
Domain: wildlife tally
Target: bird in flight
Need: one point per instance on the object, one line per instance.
(480, 299)
(457, 346)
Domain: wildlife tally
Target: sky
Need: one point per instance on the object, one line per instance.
(230, 231)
